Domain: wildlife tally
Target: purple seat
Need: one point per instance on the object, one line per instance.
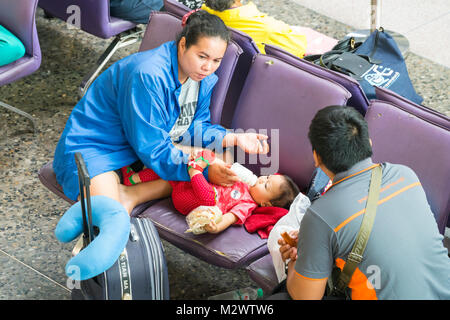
(358, 100)
(96, 20)
(48, 178)
(263, 273)
(249, 49)
(409, 106)
(163, 27)
(405, 136)
(230, 249)
(18, 16)
(283, 99)
(175, 7)
(262, 95)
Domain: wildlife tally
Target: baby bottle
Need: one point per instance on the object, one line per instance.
(244, 174)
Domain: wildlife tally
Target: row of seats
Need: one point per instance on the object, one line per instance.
(280, 93)
(18, 16)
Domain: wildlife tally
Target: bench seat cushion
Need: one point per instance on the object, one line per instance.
(232, 248)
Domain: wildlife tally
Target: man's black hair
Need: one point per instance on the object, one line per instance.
(340, 136)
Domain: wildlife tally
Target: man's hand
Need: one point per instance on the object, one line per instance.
(287, 251)
(220, 173)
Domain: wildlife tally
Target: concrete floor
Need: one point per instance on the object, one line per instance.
(32, 259)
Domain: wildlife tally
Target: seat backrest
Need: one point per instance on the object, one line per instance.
(409, 106)
(280, 100)
(358, 100)
(163, 27)
(406, 137)
(93, 17)
(176, 8)
(249, 50)
(18, 16)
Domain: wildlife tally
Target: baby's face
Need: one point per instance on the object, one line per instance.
(266, 189)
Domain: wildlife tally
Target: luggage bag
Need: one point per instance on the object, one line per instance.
(140, 272)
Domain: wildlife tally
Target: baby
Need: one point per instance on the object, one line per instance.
(236, 202)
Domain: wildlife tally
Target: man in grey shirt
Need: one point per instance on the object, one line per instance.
(404, 258)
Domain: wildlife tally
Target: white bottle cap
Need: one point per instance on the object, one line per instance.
(244, 174)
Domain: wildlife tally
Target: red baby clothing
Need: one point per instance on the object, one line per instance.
(188, 195)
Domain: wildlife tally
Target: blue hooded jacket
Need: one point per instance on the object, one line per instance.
(127, 114)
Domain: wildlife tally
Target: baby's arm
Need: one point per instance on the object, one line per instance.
(227, 220)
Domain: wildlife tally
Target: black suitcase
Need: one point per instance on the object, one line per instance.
(140, 273)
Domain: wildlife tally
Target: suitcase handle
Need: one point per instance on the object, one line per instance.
(85, 198)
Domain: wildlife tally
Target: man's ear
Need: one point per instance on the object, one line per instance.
(317, 160)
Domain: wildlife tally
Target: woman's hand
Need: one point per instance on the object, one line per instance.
(249, 142)
(220, 173)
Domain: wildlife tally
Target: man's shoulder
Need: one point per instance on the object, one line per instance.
(400, 168)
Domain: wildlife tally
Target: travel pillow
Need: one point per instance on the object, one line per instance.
(11, 48)
(113, 221)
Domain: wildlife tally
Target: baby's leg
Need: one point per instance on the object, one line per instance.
(131, 178)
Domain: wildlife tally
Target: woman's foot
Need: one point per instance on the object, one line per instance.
(127, 198)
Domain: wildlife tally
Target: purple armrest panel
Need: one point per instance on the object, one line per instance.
(263, 273)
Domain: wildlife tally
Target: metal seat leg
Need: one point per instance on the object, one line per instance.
(20, 112)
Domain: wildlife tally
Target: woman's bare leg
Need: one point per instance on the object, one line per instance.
(131, 196)
(108, 184)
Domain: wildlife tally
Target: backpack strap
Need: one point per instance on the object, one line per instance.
(356, 255)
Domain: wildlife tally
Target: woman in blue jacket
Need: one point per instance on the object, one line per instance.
(143, 104)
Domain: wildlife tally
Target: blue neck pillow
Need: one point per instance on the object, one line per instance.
(114, 223)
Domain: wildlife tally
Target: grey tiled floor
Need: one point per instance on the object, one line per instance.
(32, 260)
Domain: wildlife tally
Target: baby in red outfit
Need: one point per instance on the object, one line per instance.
(236, 202)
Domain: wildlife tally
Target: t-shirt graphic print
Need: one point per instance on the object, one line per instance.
(188, 104)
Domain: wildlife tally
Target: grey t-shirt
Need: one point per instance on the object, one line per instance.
(188, 104)
(404, 258)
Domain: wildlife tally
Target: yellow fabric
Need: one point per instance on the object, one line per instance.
(262, 28)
